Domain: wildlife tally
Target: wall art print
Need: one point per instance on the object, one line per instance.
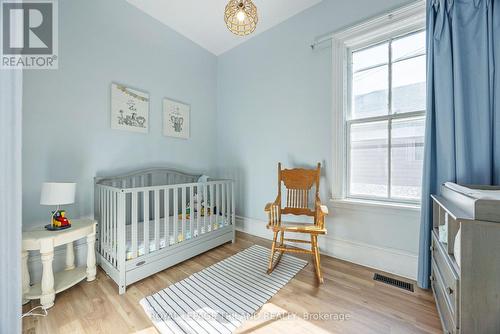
(129, 109)
(176, 119)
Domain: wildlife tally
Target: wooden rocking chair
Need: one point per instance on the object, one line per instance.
(298, 183)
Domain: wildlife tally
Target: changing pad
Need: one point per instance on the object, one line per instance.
(477, 202)
(473, 192)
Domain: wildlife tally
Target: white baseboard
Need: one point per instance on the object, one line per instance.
(390, 260)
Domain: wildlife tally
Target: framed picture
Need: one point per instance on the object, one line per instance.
(129, 109)
(176, 119)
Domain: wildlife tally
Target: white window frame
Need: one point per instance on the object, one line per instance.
(402, 21)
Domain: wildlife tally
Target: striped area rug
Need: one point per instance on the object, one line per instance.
(220, 297)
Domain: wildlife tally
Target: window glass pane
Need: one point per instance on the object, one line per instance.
(407, 150)
(368, 159)
(369, 57)
(370, 92)
(408, 46)
(408, 85)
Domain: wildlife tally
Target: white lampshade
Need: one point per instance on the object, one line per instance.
(57, 193)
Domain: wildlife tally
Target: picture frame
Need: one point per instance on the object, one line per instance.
(129, 109)
(176, 119)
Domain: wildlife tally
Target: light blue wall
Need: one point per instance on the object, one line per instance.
(274, 104)
(267, 100)
(66, 126)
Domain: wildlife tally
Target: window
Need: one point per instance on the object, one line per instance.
(385, 118)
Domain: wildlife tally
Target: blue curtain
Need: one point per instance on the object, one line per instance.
(463, 103)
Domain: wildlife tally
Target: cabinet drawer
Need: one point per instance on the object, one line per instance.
(449, 278)
(445, 314)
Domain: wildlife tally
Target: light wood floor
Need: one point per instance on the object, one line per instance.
(349, 293)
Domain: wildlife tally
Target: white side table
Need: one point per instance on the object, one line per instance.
(45, 241)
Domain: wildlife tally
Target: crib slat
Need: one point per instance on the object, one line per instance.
(192, 213)
(115, 231)
(111, 227)
(205, 198)
(110, 219)
(108, 227)
(106, 222)
(101, 223)
(134, 225)
(111, 223)
(105, 225)
(183, 226)
(218, 196)
(233, 208)
(175, 218)
(97, 215)
(228, 206)
(146, 221)
(225, 204)
(121, 238)
(166, 215)
(198, 208)
(212, 207)
(223, 186)
(109, 206)
(157, 219)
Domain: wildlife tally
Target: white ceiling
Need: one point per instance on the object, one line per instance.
(202, 21)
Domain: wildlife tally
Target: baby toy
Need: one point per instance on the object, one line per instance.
(197, 198)
(59, 219)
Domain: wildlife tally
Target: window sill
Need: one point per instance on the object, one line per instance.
(351, 203)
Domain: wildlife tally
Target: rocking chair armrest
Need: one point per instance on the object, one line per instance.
(323, 210)
(321, 213)
(268, 207)
(274, 214)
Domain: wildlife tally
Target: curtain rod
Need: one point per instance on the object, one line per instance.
(386, 18)
(321, 41)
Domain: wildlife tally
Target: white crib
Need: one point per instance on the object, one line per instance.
(181, 216)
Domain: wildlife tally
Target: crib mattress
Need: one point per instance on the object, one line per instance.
(169, 238)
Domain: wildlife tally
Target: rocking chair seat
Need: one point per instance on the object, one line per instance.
(298, 228)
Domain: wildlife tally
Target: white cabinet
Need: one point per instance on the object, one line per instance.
(467, 291)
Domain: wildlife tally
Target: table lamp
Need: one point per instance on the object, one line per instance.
(57, 194)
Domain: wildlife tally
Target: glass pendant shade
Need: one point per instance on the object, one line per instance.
(241, 17)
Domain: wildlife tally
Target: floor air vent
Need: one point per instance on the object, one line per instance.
(394, 282)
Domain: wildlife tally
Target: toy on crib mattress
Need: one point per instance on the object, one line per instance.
(59, 219)
(197, 198)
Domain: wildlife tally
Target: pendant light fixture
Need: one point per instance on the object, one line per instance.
(241, 17)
